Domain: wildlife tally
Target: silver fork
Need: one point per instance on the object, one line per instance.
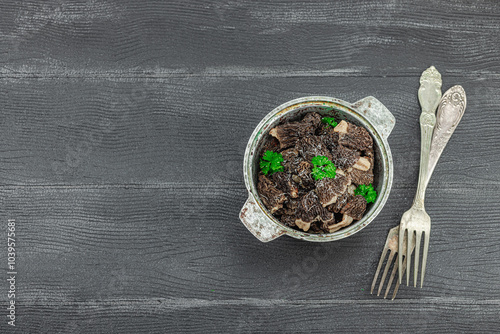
(450, 111)
(416, 221)
(429, 95)
(391, 244)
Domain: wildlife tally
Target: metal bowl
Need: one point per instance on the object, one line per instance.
(368, 112)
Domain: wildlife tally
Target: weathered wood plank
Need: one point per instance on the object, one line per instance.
(185, 241)
(123, 128)
(233, 38)
(261, 316)
(149, 131)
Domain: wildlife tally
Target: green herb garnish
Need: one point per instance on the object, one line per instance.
(323, 168)
(367, 192)
(329, 121)
(271, 162)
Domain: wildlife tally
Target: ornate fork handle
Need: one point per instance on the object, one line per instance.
(450, 112)
(429, 95)
(451, 109)
(416, 220)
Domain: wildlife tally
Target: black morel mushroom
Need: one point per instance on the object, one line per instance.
(342, 200)
(271, 145)
(291, 160)
(329, 190)
(310, 210)
(344, 158)
(285, 183)
(361, 177)
(304, 175)
(313, 146)
(271, 196)
(312, 118)
(346, 221)
(290, 207)
(355, 208)
(354, 137)
(289, 133)
(330, 139)
(288, 220)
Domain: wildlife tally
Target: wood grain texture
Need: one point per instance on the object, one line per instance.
(72, 131)
(183, 241)
(123, 127)
(256, 316)
(248, 38)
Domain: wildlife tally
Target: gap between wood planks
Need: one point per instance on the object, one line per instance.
(186, 303)
(46, 72)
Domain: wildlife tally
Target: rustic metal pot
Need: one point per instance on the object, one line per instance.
(368, 112)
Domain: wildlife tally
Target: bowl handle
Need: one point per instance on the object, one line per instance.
(377, 114)
(258, 223)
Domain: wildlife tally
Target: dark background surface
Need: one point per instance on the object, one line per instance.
(123, 127)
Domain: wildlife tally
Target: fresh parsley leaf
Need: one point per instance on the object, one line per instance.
(367, 192)
(265, 166)
(371, 195)
(320, 160)
(329, 121)
(330, 169)
(323, 168)
(317, 173)
(360, 190)
(271, 163)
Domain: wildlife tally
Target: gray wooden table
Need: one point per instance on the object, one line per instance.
(123, 127)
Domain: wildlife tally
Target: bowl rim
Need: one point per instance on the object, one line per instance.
(338, 105)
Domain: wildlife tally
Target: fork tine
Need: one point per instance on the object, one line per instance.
(417, 255)
(424, 257)
(396, 288)
(391, 278)
(400, 254)
(408, 255)
(382, 257)
(386, 270)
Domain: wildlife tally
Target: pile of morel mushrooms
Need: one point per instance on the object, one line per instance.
(316, 174)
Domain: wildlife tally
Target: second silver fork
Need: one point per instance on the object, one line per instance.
(450, 112)
(416, 220)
